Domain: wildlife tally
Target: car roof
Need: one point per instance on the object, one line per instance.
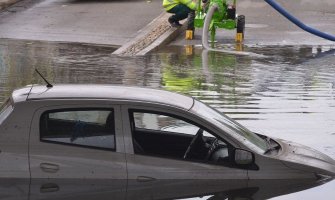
(114, 92)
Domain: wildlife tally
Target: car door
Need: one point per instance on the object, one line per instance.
(76, 151)
(14, 162)
(156, 142)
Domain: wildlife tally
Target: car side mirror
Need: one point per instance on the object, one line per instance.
(243, 157)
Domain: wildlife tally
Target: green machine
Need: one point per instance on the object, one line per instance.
(221, 14)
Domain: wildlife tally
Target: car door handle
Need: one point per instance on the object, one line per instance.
(49, 187)
(50, 168)
(145, 179)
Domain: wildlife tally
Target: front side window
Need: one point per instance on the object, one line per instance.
(163, 135)
(251, 139)
(83, 127)
(5, 109)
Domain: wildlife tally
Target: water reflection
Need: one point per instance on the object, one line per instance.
(71, 63)
(289, 94)
(157, 189)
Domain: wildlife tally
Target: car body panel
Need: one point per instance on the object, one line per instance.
(111, 92)
(148, 168)
(297, 156)
(273, 168)
(21, 95)
(83, 189)
(14, 188)
(66, 161)
(20, 135)
(155, 167)
(14, 139)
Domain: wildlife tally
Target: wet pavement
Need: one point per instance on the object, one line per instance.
(289, 93)
(108, 22)
(115, 22)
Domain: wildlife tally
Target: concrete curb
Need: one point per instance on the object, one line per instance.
(154, 35)
(6, 3)
(163, 40)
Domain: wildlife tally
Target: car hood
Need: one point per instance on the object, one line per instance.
(304, 158)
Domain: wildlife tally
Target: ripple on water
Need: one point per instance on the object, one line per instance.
(289, 94)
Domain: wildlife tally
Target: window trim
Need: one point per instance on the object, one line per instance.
(132, 121)
(78, 109)
(131, 112)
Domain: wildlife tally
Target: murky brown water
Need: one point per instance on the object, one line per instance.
(289, 94)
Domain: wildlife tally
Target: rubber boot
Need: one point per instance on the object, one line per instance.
(173, 22)
(190, 26)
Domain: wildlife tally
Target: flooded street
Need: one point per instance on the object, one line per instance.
(288, 93)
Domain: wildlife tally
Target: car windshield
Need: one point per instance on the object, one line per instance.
(224, 122)
(5, 110)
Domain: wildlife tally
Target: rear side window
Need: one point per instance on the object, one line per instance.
(5, 109)
(90, 128)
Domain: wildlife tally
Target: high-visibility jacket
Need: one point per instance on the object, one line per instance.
(169, 4)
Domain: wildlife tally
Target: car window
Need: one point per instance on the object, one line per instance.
(160, 134)
(164, 123)
(251, 139)
(91, 128)
(5, 109)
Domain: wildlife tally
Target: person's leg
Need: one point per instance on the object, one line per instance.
(190, 26)
(180, 12)
(190, 20)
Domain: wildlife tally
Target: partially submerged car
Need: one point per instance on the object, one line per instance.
(115, 132)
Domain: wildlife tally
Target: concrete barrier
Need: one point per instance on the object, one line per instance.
(154, 35)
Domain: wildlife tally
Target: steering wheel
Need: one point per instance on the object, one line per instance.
(197, 136)
(212, 148)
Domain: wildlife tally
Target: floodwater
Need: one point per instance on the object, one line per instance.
(289, 93)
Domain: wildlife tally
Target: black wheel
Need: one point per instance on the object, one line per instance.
(240, 27)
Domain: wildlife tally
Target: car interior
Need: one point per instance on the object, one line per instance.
(78, 131)
(177, 145)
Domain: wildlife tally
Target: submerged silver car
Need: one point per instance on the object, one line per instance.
(104, 132)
